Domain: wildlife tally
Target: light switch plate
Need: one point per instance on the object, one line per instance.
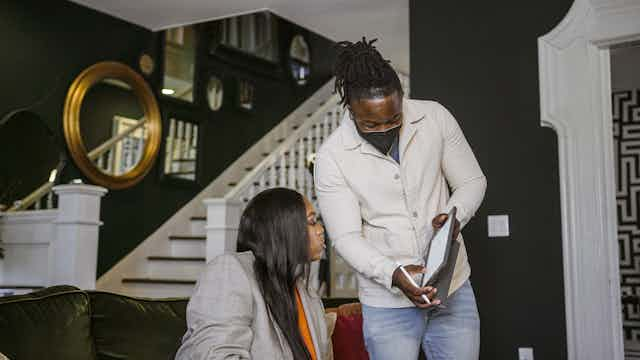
(525, 353)
(498, 225)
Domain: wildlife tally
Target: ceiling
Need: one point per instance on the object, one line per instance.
(336, 19)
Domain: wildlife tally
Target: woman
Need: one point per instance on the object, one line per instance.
(256, 304)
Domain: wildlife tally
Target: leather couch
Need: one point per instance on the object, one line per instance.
(66, 323)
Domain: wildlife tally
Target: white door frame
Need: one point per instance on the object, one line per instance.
(575, 100)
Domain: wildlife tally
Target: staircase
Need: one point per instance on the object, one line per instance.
(168, 262)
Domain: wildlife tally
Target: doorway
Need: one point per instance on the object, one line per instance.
(625, 102)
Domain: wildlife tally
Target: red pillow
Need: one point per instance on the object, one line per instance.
(348, 339)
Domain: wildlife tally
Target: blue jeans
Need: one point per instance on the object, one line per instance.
(449, 333)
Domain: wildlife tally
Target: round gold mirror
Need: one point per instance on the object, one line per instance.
(112, 125)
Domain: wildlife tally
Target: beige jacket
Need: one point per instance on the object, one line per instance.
(378, 213)
(227, 317)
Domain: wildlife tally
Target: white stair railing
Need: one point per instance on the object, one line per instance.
(286, 167)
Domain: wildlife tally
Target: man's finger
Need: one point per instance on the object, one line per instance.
(439, 220)
(414, 269)
(424, 305)
(432, 293)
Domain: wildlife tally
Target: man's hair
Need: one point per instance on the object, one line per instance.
(362, 73)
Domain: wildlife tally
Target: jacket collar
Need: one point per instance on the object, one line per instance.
(310, 312)
(352, 140)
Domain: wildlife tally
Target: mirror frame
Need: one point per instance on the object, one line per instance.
(71, 123)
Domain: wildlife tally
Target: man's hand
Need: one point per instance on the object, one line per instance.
(439, 220)
(412, 292)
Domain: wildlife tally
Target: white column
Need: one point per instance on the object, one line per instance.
(74, 251)
(223, 219)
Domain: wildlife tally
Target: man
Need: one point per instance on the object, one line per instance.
(382, 180)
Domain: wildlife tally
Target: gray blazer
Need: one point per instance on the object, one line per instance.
(227, 317)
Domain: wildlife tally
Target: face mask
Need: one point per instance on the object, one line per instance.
(381, 140)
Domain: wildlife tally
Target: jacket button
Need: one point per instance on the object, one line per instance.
(396, 176)
(415, 214)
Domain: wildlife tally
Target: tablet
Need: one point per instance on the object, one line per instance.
(437, 259)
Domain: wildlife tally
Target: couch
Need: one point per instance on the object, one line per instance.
(64, 322)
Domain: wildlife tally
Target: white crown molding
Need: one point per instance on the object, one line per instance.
(575, 101)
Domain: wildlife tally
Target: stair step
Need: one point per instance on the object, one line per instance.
(176, 267)
(187, 237)
(132, 280)
(176, 258)
(187, 246)
(158, 287)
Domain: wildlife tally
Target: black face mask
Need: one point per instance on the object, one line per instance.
(381, 140)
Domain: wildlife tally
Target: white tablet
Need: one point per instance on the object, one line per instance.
(439, 248)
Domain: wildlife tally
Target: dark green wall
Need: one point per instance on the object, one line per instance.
(48, 43)
(480, 60)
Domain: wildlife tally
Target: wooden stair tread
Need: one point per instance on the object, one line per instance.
(187, 237)
(158, 281)
(177, 258)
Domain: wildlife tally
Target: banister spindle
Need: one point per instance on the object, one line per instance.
(187, 142)
(334, 121)
(291, 171)
(169, 146)
(308, 181)
(262, 182)
(300, 184)
(50, 200)
(325, 127)
(282, 175)
(318, 135)
(272, 176)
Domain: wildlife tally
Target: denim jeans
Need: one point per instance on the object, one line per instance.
(444, 333)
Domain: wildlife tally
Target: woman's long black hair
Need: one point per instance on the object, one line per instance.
(274, 228)
(361, 72)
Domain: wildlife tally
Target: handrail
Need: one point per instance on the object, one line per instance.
(37, 194)
(274, 156)
(45, 188)
(105, 146)
(32, 198)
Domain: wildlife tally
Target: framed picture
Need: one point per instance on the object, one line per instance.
(246, 93)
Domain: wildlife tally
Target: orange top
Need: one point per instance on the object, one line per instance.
(304, 327)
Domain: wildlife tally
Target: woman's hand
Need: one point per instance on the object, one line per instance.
(412, 292)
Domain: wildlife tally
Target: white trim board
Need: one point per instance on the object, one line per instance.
(575, 100)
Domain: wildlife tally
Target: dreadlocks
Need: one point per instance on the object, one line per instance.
(361, 72)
